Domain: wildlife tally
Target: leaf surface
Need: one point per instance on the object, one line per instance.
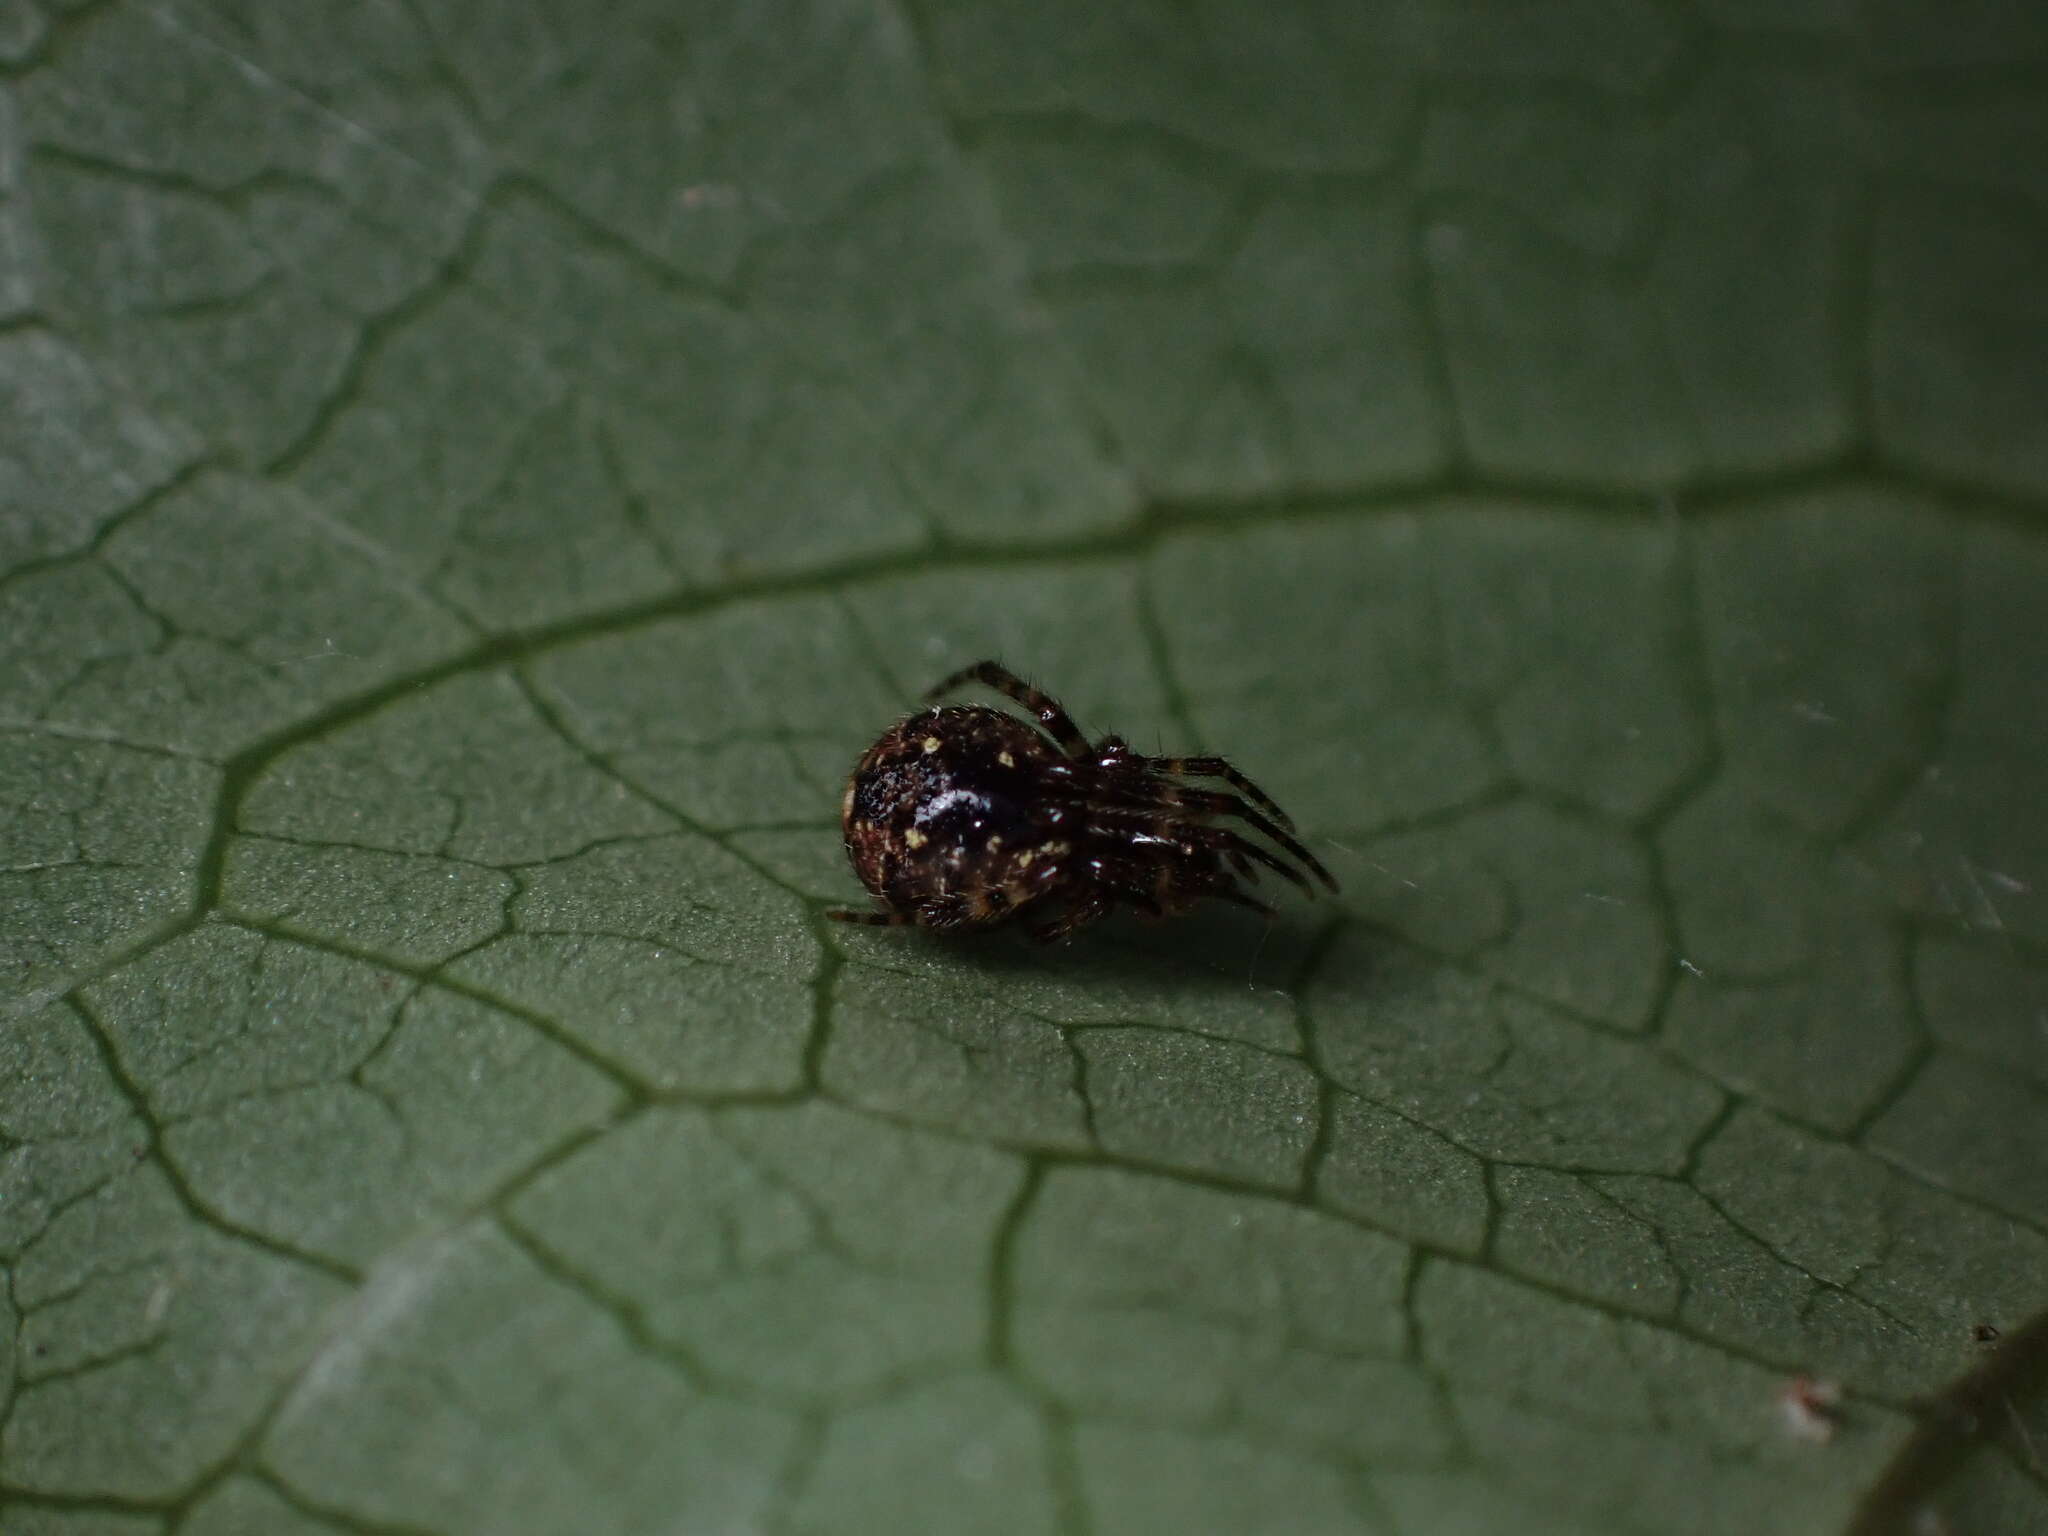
(472, 480)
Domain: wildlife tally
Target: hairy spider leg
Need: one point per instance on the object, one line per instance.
(1220, 768)
(1173, 891)
(1057, 722)
(1219, 804)
(1151, 799)
(1110, 821)
(1232, 893)
(1228, 841)
(871, 919)
(1086, 910)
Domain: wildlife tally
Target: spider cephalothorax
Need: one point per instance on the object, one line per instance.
(961, 815)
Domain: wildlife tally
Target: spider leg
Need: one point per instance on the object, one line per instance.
(1232, 893)
(1218, 804)
(993, 674)
(1170, 894)
(870, 919)
(1153, 801)
(1220, 768)
(1227, 841)
(1087, 909)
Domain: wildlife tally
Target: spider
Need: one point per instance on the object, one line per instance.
(961, 816)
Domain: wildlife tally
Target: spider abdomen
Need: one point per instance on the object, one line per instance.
(945, 816)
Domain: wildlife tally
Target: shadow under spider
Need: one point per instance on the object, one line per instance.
(1210, 952)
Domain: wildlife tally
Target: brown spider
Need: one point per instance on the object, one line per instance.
(962, 815)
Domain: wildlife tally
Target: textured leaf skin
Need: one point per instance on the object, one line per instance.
(472, 480)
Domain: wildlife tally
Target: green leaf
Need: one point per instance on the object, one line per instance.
(472, 478)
